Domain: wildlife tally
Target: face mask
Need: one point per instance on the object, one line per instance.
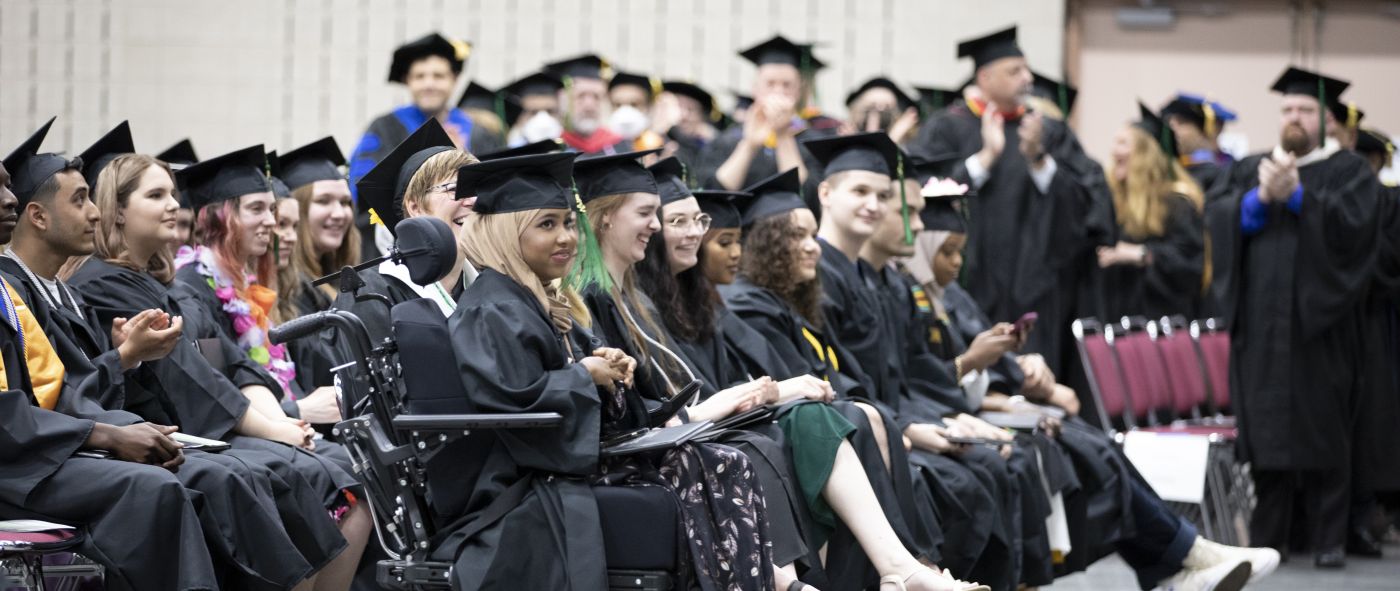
(628, 122)
(541, 127)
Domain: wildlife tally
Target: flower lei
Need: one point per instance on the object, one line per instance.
(250, 322)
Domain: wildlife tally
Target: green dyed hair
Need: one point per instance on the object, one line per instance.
(588, 269)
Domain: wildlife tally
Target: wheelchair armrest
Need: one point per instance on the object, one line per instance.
(525, 420)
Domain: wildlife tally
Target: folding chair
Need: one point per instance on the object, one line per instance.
(1212, 342)
(44, 560)
(1106, 389)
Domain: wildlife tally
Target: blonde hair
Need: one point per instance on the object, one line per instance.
(438, 166)
(492, 241)
(306, 258)
(1141, 198)
(115, 185)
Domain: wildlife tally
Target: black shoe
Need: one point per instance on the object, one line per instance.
(1360, 542)
(1334, 558)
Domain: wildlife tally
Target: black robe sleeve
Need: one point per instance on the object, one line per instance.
(1178, 256)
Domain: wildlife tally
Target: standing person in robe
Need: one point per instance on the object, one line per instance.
(540, 111)
(633, 118)
(1303, 243)
(1197, 122)
(693, 125)
(838, 489)
(492, 113)
(1033, 218)
(1348, 128)
(768, 141)
(1157, 267)
(879, 104)
(428, 67)
(585, 81)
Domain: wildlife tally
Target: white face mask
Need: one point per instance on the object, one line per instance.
(628, 122)
(541, 127)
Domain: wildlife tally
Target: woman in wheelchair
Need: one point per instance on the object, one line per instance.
(520, 347)
(209, 389)
(853, 542)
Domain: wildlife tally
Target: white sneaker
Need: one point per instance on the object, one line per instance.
(1226, 576)
(1262, 561)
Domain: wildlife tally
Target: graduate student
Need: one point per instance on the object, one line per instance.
(694, 125)
(540, 109)
(518, 347)
(828, 468)
(1157, 267)
(1033, 219)
(208, 383)
(1302, 231)
(492, 113)
(1197, 123)
(178, 156)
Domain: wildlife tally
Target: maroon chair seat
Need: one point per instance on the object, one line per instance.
(1145, 376)
(1101, 368)
(1186, 378)
(1214, 345)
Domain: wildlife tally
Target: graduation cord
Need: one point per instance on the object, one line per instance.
(66, 299)
(8, 308)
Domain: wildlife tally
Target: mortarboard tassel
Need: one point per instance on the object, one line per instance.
(1321, 112)
(588, 269)
(1209, 112)
(1064, 101)
(499, 106)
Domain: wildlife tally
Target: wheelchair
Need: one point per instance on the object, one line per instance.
(392, 450)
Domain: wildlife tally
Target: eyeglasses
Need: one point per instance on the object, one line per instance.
(448, 187)
(701, 221)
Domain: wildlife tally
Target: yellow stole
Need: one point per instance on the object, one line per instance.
(826, 354)
(45, 369)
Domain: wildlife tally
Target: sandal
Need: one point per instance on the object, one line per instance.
(955, 584)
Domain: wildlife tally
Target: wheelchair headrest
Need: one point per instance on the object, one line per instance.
(427, 247)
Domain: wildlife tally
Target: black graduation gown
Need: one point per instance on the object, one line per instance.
(110, 499)
(1025, 247)
(314, 357)
(184, 389)
(1296, 290)
(511, 359)
(1377, 466)
(1171, 285)
(856, 318)
(239, 514)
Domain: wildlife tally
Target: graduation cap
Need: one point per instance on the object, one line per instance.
(101, 153)
(989, 48)
(934, 99)
(940, 166)
(505, 105)
(873, 151)
(179, 155)
(1158, 130)
(1374, 141)
(317, 161)
(29, 169)
(452, 50)
(381, 190)
(652, 86)
(706, 100)
(225, 177)
(1053, 90)
(1347, 113)
(777, 194)
(599, 176)
(1205, 114)
(741, 101)
(583, 66)
(902, 99)
(536, 84)
(723, 207)
(779, 50)
(670, 177)
(519, 183)
(1327, 91)
(941, 214)
(278, 186)
(540, 147)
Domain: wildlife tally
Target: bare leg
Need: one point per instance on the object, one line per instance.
(849, 494)
(337, 575)
(877, 428)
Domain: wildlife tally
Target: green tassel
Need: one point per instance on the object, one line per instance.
(1064, 101)
(1168, 149)
(499, 105)
(588, 269)
(903, 198)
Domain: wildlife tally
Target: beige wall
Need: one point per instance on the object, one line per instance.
(1234, 58)
(231, 73)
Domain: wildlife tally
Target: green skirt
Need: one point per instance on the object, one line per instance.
(814, 432)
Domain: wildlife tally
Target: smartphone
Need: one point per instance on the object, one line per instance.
(1024, 323)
